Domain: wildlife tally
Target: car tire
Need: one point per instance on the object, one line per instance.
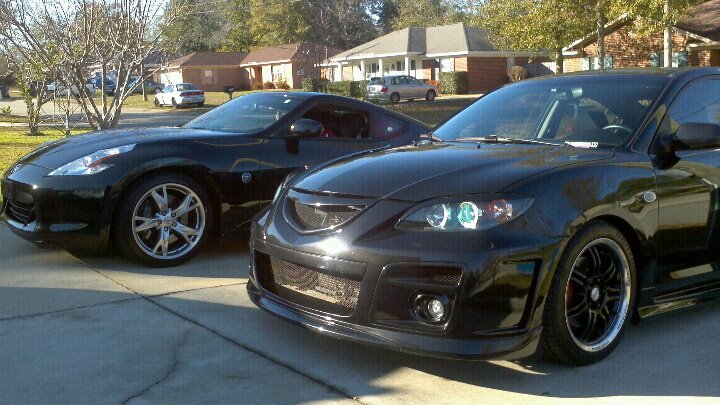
(430, 95)
(177, 220)
(175, 104)
(201, 105)
(591, 297)
(157, 103)
(394, 98)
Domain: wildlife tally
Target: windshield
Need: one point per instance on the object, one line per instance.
(247, 114)
(602, 110)
(186, 86)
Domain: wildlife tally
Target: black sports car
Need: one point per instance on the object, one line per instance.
(159, 193)
(546, 212)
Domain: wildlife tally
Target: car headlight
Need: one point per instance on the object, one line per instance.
(464, 215)
(92, 163)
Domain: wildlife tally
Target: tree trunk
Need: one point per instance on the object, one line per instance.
(667, 36)
(601, 22)
(142, 81)
(559, 61)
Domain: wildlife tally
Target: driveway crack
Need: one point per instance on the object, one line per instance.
(170, 371)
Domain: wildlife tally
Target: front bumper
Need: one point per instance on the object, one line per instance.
(62, 210)
(494, 309)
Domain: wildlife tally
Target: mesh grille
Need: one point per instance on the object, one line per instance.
(311, 217)
(335, 290)
(446, 279)
(22, 213)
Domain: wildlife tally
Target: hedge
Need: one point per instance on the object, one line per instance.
(316, 84)
(454, 82)
(348, 88)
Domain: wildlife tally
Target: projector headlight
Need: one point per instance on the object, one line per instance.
(92, 163)
(464, 215)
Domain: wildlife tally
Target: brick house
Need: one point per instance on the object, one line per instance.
(425, 52)
(211, 71)
(285, 63)
(695, 42)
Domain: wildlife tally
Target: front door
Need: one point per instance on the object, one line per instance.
(346, 130)
(688, 193)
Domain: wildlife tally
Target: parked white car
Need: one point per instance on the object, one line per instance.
(60, 90)
(180, 94)
(396, 88)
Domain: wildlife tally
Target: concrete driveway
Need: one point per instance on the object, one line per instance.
(103, 330)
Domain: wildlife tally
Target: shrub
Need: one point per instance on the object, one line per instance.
(343, 88)
(454, 82)
(359, 89)
(257, 86)
(316, 84)
(268, 85)
(517, 73)
(6, 111)
(242, 87)
(283, 85)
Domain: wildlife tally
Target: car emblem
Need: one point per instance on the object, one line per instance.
(15, 168)
(246, 177)
(649, 196)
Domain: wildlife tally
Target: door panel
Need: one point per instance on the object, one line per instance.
(688, 191)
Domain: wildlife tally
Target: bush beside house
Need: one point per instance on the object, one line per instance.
(454, 82)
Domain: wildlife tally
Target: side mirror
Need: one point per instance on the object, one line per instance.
(305, 128)
(697, 136)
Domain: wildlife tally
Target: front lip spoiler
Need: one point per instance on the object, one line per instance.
(505, 348)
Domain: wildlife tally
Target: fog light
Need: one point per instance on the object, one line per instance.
(431, 308)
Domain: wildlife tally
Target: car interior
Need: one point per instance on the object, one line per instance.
(340, 122)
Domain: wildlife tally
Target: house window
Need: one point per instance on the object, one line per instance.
(412, 65)
(593, 63)
(208, 76)
(679, 59)
(277, 73)
(447, 65)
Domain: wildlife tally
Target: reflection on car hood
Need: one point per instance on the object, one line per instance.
(423, 172)
(57, 153)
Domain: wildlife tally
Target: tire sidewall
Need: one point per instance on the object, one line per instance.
(394, 98)
(430, 96)
(555, 330)
(122, 224)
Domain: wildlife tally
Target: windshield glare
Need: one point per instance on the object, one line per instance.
(605, 110)
(247, 114)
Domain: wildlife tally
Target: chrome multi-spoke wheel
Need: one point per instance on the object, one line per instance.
(597, 295)
(168, 221)
(163, 219)
(590, 297)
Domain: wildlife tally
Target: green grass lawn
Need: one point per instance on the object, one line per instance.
(431, 112)
(14, 143)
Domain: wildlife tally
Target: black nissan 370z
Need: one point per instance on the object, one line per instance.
(159, 193)
(547, 213)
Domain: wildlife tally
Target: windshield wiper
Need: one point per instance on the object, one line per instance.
(501, 139)
(428, 138)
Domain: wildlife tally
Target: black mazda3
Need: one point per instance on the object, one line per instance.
(547, 213)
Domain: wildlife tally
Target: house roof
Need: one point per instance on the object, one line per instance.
(208, 59)
(301, 51)
(444, 39)
(704, 21)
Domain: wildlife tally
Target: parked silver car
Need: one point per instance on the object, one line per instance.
(396, 88)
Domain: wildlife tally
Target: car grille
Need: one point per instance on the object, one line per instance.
(23, 213)
(315, 217)
(308, 287)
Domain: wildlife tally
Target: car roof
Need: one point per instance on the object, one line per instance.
(672, 72)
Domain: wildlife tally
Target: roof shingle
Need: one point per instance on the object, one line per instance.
(304, 51)
(703, 21)
(209, 59)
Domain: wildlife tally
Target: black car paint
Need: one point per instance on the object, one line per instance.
(506, 270)
(76, 211)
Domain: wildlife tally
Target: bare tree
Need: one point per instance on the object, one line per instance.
(117, 35)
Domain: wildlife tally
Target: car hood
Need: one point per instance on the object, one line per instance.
(57, 153)
(417, 173)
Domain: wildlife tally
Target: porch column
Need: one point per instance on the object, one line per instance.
(380, 66)
(362, 70)
(407, 65)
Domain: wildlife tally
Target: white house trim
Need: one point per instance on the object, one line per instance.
(272, 62)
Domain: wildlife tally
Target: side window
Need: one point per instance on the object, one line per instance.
(395, 81)
(414, 81)
(699, 103)
(393, 126)
(339, 122)
(168, 89)
(403, 80)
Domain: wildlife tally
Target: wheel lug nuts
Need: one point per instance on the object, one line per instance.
(172, 215)
(164, 213)
(174, 224)
(167, 229)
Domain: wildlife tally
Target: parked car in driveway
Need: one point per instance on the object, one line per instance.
(549, 212)
(395, 88)
(158, 194)
(181, 94)
(151, 87)
(59, 89)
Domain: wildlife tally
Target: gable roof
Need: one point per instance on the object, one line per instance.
(443, 39)
(290, 52)
(704, 21)
(208, 59)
